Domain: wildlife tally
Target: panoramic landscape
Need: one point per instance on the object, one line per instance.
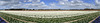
(49, 11)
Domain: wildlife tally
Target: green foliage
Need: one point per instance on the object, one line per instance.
(11, 20)
(88, 19)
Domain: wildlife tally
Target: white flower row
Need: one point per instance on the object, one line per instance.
(48, 14)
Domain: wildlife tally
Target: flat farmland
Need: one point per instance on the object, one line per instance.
(49, 16)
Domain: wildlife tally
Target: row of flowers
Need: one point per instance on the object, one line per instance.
(48, 14)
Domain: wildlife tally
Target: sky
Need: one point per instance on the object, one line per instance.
(55, 1)
(49, 1)
(50, 4)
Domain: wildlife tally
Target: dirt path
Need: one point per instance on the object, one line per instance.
(93, 20)
(75, 20)
(20, 19)
(4, 19)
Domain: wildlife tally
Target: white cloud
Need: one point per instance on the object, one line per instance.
(20, 4)
(36, 4)
(31, 1)
(8, 2)
(42, 3)
(2, 2)
(75, 4)
(97, 4)
(97, 1)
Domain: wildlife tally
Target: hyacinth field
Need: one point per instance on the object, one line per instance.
(49, 16)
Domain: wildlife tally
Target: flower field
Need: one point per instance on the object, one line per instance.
(49, 16)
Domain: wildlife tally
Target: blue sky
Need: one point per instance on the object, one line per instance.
(49, 4)
(89, 1)
(51, 1)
